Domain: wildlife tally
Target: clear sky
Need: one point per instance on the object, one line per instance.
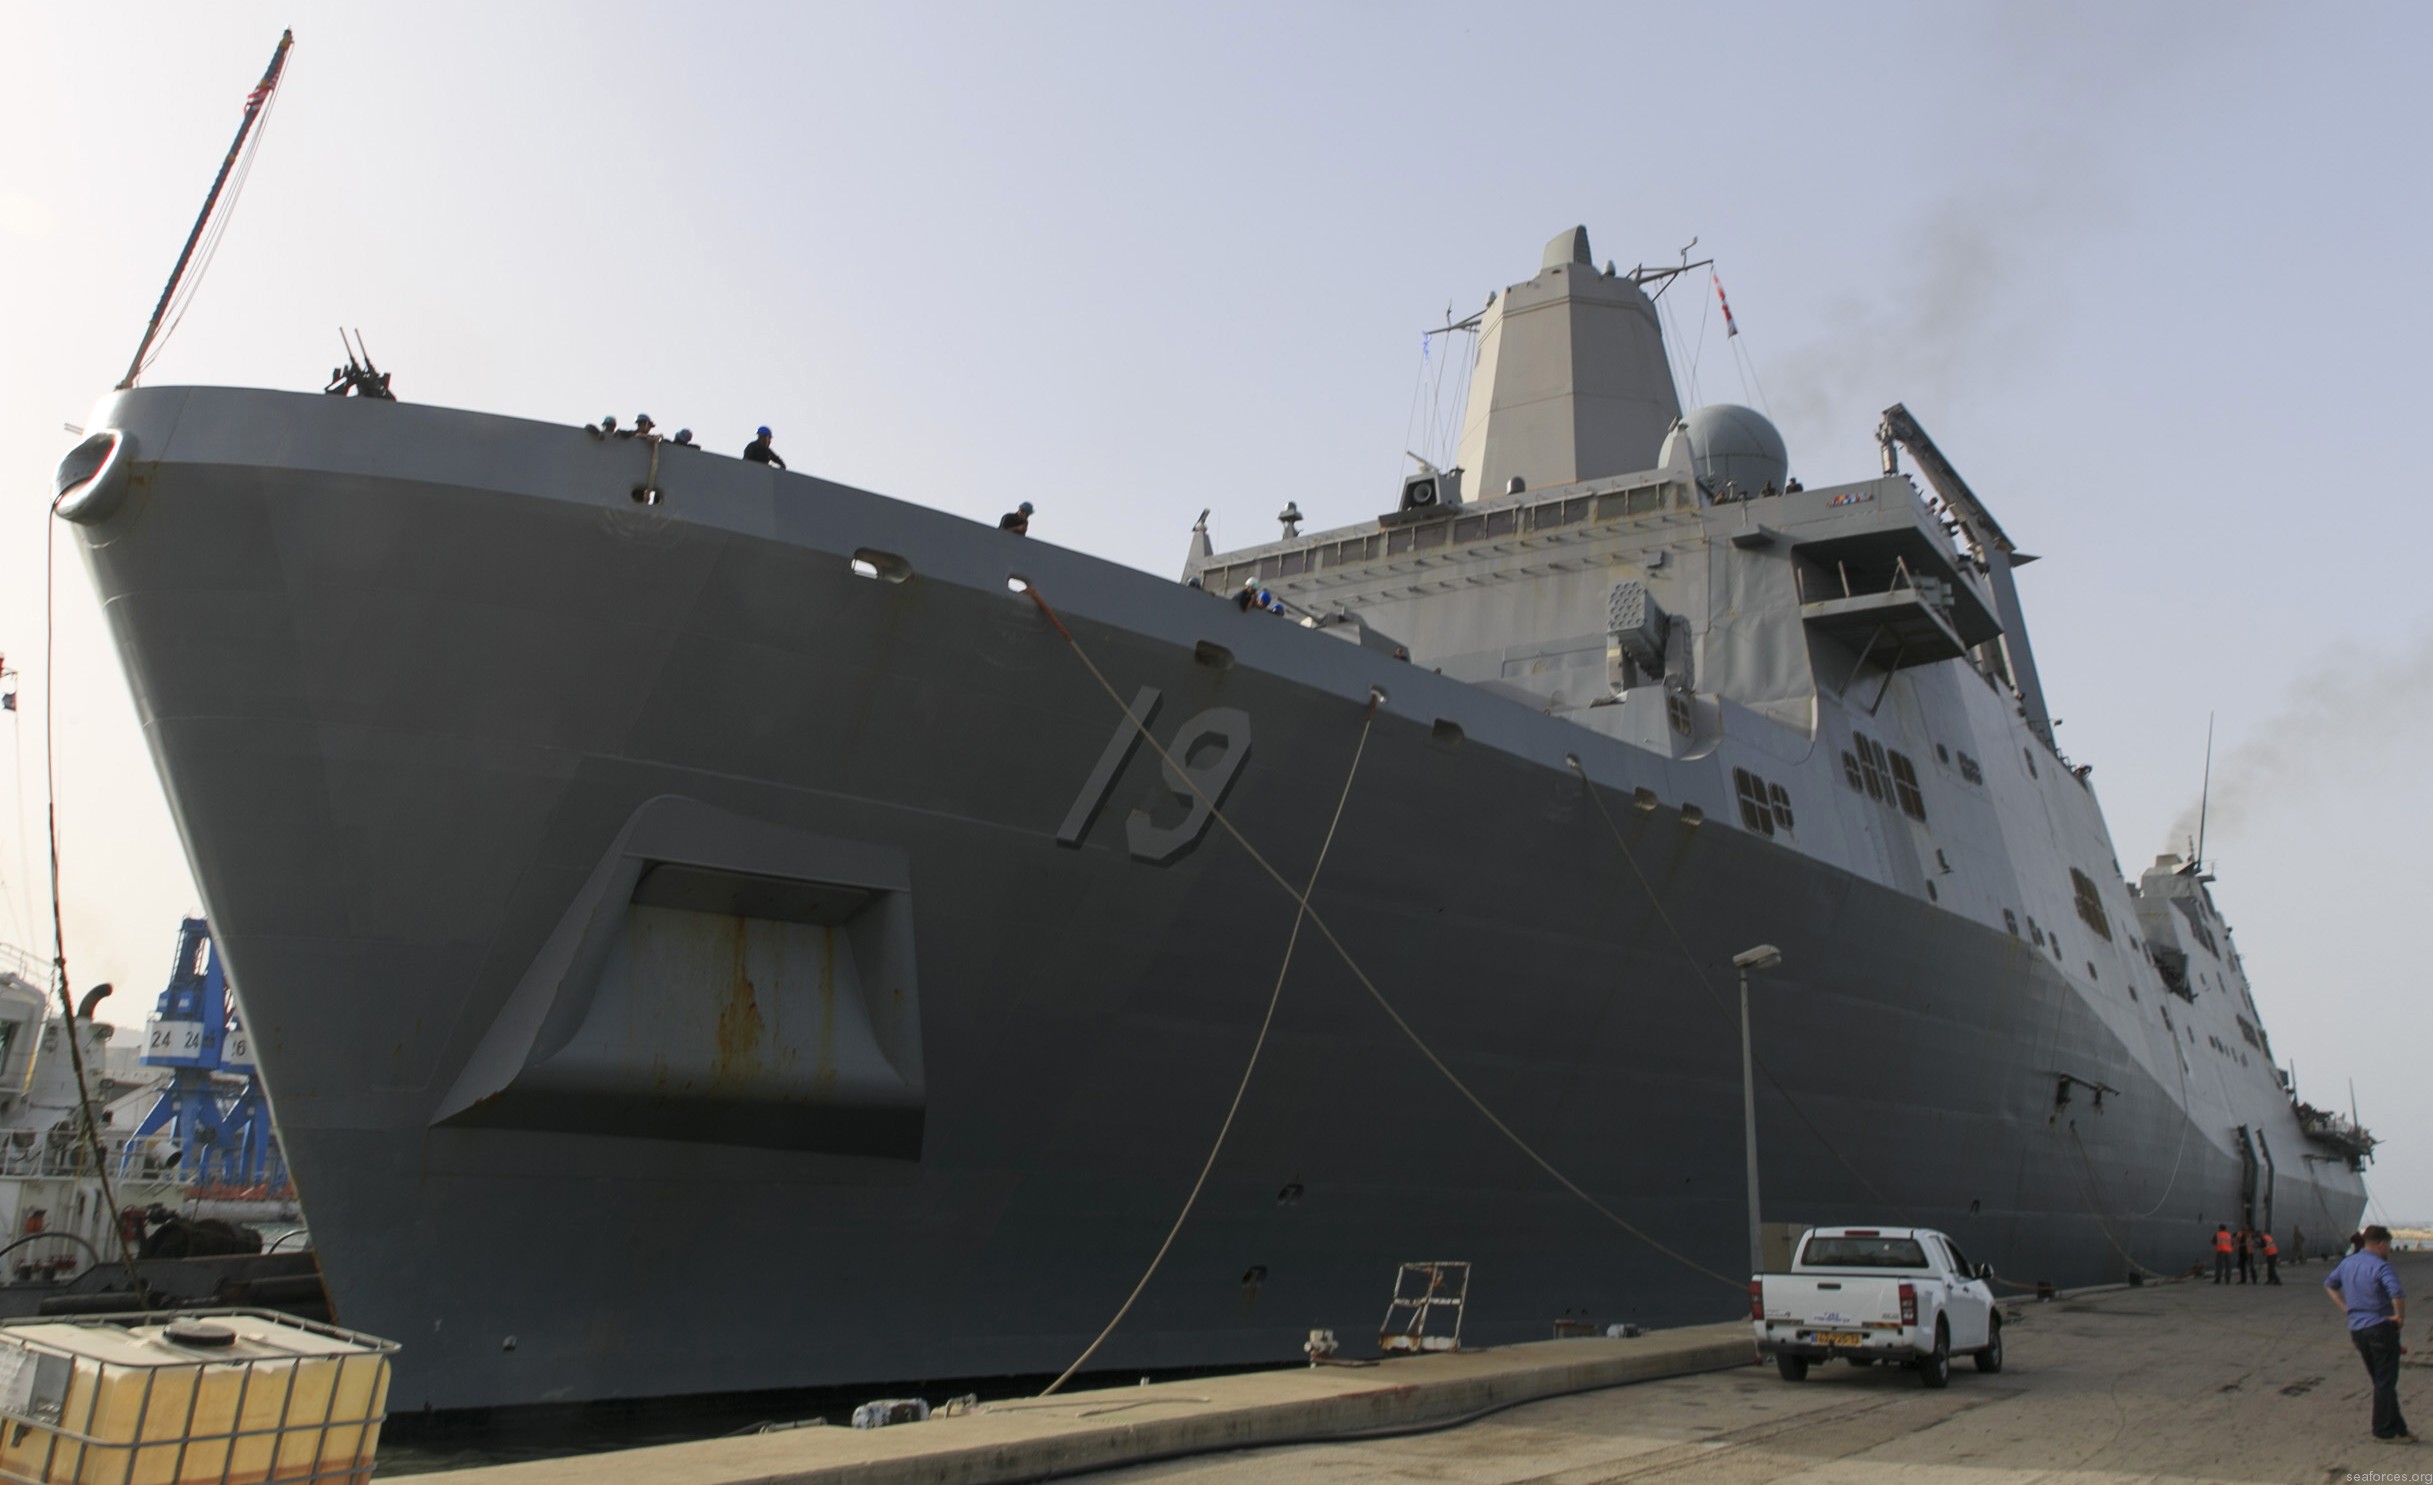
(2152, 275)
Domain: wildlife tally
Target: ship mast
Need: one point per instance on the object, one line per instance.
(255, 102)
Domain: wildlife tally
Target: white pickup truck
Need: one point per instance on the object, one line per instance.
(1874, 1294)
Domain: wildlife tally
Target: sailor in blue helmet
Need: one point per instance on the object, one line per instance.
(759, 451)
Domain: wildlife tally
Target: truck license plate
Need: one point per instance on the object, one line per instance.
(1841, 1337)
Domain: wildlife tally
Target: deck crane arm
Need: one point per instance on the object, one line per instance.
(1992, 549)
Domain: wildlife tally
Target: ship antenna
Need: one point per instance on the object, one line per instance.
(256, 103)
(2204, 798)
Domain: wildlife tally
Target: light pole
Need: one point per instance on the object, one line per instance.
(1764, 956)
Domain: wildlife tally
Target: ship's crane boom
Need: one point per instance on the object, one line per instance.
(1993, 551)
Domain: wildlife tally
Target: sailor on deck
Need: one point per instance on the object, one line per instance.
(760, 451)
(1017, 520)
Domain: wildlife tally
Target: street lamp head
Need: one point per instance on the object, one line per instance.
(1764, 956)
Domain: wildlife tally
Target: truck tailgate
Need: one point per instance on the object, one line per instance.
(1831, 1299)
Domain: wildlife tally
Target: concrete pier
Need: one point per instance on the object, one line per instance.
(2170, 1384)
(2173, 1382)
(1115, 1427)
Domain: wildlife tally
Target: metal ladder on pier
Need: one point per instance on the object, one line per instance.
(1420, 1291)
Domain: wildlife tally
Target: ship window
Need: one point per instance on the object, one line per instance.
(1753, 811)
(1931, 894)
(2035, 934)
(1781, 798)
(1970, 771)
(2010, 920)
(1850, 772)
(1872, 767)
(1905, 780)
(2090, 907)
(1943, 755)
(1677, 711)
(1942, 860)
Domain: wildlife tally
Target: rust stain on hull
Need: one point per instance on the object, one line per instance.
(741, 1031)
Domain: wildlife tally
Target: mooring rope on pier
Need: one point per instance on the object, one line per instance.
(1258, 1044)
(1318, 921)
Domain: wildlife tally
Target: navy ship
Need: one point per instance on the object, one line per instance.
(708, 928)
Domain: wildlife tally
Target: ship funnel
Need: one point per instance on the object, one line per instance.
(1571, 381)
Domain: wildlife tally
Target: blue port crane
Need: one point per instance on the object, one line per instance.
(195, 1033)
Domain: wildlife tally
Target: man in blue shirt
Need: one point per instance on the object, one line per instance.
(2365, 1288)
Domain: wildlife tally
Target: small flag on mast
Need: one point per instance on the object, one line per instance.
(1731, 327)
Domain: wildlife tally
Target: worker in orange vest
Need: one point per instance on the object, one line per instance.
(2221, 1253)
(2272, 1260)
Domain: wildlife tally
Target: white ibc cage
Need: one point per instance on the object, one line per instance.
(194, 1397)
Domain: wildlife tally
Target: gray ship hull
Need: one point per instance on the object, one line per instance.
(418, 682)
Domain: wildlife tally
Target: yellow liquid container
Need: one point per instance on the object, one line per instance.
(206, 1397)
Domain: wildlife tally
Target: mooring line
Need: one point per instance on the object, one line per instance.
(1258, 1045)
(2095, 1208)
(1318, 921)
(59, 933)
(1714, 998)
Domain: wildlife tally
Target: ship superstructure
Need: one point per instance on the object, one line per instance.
(707, 928)
(54, 1217)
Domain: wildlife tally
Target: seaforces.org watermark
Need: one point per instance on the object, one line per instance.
(2393, 1477)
